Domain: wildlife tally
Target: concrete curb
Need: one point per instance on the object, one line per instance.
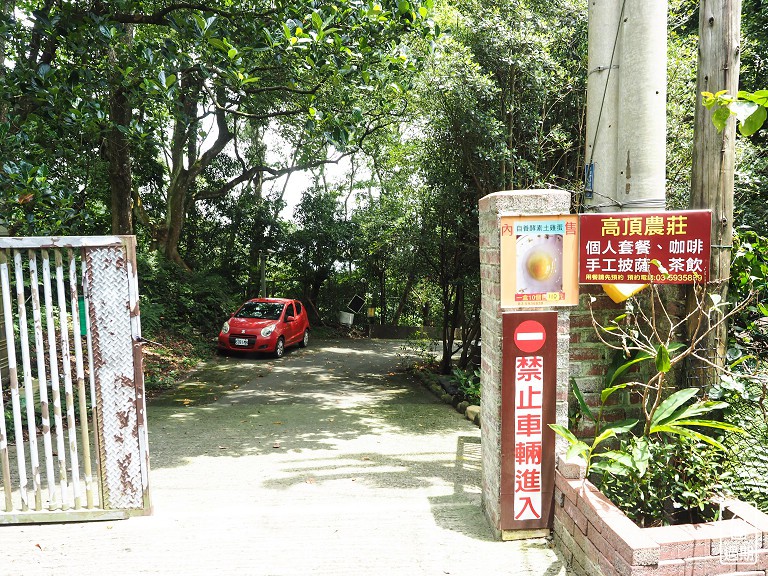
(430, 380)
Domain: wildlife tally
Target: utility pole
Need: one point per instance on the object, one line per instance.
(626, 104)
(625, 154)
(604, 53)
(714, 158)
(642, 143)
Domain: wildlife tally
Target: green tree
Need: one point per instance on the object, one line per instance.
(137, 78)
(319, 243)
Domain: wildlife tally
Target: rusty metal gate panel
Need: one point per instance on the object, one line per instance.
(73, 436)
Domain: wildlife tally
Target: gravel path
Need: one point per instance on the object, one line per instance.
(330, 461)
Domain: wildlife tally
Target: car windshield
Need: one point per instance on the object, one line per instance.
(263, 310)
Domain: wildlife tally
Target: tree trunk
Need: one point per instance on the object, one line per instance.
(184, 143)
(470, 334)
(382, 278)
(174, 220)
(119, 155)
(404, 297)
(119, 149)
(713, 162)
(453, 303)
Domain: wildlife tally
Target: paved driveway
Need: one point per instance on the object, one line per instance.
(329, 461)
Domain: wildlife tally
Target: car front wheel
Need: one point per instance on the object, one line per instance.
(305, 340)
(280, 347)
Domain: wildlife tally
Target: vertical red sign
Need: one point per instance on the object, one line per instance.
(529, 377)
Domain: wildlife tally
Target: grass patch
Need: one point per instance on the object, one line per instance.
(169, 359)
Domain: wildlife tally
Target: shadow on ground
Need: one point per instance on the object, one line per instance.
(310, 400)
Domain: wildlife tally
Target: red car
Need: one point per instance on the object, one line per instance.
(265, 325)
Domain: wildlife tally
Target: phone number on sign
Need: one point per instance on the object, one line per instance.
(691, 277)
(659, 278)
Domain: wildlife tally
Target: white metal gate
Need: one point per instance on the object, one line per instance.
(73, 436)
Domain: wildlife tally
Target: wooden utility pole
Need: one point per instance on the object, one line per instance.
(714, 157)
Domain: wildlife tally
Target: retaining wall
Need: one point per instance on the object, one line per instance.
(597, 539)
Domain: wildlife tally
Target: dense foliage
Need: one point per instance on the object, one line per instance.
(174, 121)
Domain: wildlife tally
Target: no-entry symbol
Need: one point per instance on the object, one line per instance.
(530, 336)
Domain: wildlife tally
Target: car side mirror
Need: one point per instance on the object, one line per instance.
(289, 318)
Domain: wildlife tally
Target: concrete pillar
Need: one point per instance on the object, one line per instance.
(626, 105)
(604, 54)
(492, 207)
(641, 153)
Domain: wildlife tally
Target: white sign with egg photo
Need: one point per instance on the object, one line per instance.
(539, 256)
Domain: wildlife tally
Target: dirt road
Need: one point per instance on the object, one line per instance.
(330, 461)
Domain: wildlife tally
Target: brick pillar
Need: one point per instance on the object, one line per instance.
(518, 202)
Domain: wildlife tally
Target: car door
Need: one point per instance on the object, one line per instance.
(290, 327)
(301, 319)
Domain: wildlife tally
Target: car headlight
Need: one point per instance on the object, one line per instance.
(266, 332)
(225, 328)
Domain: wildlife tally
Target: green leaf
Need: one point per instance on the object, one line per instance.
(720, 118)
(564, 432)
(582, 403)
(232, 53)
(579, 449)
(760, 97)
(621, 457)
(605, 394)
(317, 21)
(611, 467)
(622, 426)
(668, 406)
(742, 109)
(663, 363)
(701, 407)
(641, 357)
(753, 122)
(687, 433)
(641, 455)
(712, 424)
(200, 21)
(216, 43)
(603, 436)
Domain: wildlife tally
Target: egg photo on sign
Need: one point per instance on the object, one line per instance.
(539, 263)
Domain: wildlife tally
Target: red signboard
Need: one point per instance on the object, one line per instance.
(639, 248)
(529, 375)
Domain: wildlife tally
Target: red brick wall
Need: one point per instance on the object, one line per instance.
(597, 539)
(590, 358)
